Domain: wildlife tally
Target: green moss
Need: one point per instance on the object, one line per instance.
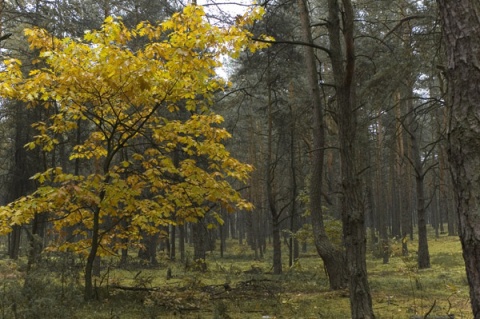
(237, 286)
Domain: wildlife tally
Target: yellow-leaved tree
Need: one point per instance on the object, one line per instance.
(124, 88)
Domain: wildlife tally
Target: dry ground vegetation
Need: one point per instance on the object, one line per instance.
(235, 286)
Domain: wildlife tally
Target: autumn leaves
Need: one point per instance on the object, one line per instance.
(130, 109)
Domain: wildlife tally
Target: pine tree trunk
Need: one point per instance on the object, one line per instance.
(353, 211)
(461, 30)
(333, 257)
(270, 179)
(423, 253)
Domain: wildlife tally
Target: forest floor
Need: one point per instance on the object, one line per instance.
(237, 286)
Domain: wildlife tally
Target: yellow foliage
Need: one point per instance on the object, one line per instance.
(126, 95)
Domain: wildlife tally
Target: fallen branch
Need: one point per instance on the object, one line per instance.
(128, 288)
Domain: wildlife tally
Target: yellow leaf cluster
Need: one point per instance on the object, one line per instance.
(147, 166)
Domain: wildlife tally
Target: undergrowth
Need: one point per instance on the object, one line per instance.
(235, 287)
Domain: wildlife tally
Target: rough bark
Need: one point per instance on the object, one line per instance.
(461, 30)
(333, 257)
(353, 211)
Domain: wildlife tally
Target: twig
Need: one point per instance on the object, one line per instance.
(430, 310)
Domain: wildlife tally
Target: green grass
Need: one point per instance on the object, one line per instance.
(399, 289)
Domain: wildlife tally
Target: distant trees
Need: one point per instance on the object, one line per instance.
(269, 113)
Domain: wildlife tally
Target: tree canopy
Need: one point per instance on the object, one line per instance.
(143, 96)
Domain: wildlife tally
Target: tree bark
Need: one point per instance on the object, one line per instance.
(148, 252)
(353, 212)
(383, 243)
(293, 242)
(333, 257)
(14, 242)
(89, 293)
(181, 241)
(423, 253)
(199, 233)
(461, 31)
(173, 238)
(270, 179)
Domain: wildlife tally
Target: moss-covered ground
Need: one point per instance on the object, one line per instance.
(237, 286)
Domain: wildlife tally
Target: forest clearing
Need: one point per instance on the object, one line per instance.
(237, 286)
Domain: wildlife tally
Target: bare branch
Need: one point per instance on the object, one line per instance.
(313, 45)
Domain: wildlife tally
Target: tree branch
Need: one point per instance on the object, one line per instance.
(5, 36)
(399, 24)
(324, 49)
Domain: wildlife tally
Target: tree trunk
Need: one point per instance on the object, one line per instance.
(401, 169)
(148, 252)
(423, 253)
(353, 211)
(270, 179)
(173, 246)
(36, 240)
(445, 194)
(89, 293)
(199, 234)
(14, 242)
(277, 247)
(333, 257)
(461, 29)
(383, 243)
(181, 241)
(24, 166)
(293, 242)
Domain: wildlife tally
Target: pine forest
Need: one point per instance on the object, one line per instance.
(236, 159)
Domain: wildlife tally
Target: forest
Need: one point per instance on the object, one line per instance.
(230, 159)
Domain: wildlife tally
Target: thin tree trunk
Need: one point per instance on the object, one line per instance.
(445, 182)
(461, 29)
(405, 215)
(181, 241)
(232, 223)
(270, 177)
(423, 253)
(293, 242)
(383, 247)
(89, 293)
(173, 242)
